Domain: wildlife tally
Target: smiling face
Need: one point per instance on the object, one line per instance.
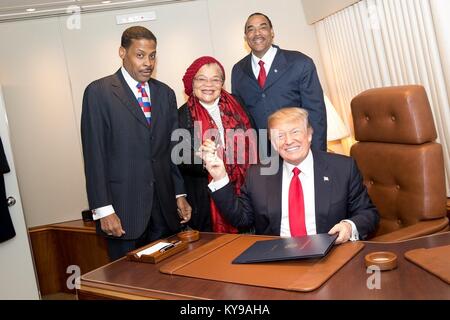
(139, 59)
(259, 35)
(291, 137)
(208, 82)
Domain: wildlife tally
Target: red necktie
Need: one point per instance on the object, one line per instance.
(262, 74)
(296, 206)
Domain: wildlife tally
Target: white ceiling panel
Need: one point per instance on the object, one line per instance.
(31, 3)
(12, 10)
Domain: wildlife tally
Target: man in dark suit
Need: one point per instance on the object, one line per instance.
(311, 192)
(126, 124)
(270, 78)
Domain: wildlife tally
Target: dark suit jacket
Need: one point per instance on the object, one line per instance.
(125, 159)
(195, 178)
(343, 196)
(292, 81)
(6, 226)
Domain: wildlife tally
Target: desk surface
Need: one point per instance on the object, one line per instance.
(123, 279)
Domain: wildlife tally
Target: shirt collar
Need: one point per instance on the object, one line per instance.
(129, 79)
(210, 106)
(267, 58)
(306, 166)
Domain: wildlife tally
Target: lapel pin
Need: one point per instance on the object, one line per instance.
(276, 70)
(326, 179)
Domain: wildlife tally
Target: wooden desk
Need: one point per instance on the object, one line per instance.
(57, 246)
(131, 280)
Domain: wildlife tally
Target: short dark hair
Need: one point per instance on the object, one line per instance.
(136, 33)
(257, 14)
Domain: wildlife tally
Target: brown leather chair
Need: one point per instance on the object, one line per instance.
(402, 165)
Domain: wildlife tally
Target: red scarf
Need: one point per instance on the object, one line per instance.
(233, 117)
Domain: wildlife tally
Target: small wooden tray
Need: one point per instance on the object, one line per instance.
(189, 235)
(385, 260)
(157, 256)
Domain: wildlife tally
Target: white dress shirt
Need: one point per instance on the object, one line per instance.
(306, 177)
(307, 180)
(133, 84)
(267, 59)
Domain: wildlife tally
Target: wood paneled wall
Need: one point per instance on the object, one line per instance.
(58, 246)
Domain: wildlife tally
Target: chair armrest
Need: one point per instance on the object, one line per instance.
(422, 228)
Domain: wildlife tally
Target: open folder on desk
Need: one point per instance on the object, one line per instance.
(313, 246)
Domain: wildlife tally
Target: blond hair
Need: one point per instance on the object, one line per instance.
(288, 114)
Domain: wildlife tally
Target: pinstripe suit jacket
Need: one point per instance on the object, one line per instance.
(125, 159)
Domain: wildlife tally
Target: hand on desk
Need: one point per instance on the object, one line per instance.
(111, 225)
(344, 229)
(184, 209)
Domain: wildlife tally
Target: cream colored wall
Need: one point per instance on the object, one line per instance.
(44, 135)
(181, 30)
(45, 68)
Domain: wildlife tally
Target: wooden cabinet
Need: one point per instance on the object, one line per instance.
(58, 246)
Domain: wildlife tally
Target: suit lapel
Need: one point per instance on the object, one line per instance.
(155, 100)
(274, 188)
(122, 91)
(322, 186)
(278, 68)
(248, 70)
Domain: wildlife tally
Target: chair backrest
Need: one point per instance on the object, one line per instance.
(402, 165)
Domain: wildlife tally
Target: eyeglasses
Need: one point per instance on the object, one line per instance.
(203, 80)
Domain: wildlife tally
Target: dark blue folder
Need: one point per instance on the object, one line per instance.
(313, 246)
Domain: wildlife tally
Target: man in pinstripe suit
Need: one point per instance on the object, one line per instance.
(131, 181)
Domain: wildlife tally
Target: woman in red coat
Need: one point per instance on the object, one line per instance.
(210, 111)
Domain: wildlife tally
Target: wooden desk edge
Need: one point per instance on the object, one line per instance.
(100, 289)
(406, 240)
(83, 228)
